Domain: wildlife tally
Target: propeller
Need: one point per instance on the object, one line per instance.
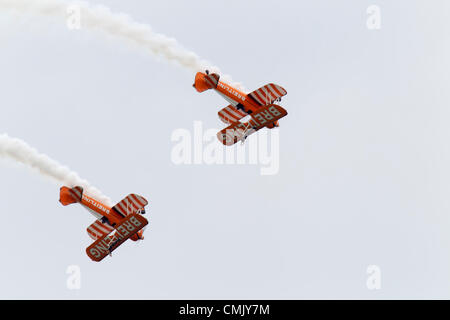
(143, 231)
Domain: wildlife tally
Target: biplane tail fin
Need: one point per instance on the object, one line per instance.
(205, 81)
(70, 195)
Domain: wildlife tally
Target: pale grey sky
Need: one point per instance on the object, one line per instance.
(364, 157)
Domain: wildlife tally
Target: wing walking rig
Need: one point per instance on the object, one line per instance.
(113, 225)
(258, 105)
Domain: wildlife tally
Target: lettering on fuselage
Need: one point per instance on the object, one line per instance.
(233, 92)
(95, 204)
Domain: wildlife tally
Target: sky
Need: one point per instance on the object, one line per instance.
(363, 175)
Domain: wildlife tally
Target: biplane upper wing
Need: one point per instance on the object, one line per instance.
(130, 204)
(267, 94)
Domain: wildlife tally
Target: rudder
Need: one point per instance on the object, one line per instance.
(70, 195)
(204, 81)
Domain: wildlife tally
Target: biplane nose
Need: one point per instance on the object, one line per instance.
(274, 124)
(138, 236)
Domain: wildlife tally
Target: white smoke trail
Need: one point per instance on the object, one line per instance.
(117, 25)
(19, 151)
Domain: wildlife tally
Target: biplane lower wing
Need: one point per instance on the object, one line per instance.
(132, 224)
(231, 114)
(99, 229)
(239, 131)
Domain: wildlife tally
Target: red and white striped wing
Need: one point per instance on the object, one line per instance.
(267, 94)
(131, 204)
(99, 229)
(231, 114)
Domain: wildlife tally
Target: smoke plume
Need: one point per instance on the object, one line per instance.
(19, 151)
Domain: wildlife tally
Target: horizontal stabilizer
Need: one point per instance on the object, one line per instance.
(70, 195)
(204, 81)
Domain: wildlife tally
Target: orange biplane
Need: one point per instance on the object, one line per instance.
(114, 225)
(257, 107)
